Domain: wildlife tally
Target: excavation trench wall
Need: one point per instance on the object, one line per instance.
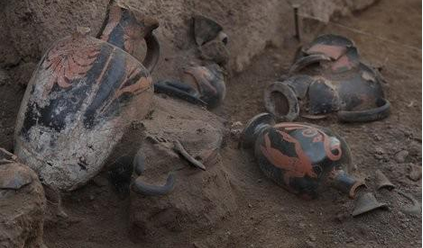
(31, 26)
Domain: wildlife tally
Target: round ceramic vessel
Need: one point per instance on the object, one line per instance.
(78, 104)
(301, 157)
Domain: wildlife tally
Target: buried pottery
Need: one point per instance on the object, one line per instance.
(305, 159)
(328, 77)
(82, 97)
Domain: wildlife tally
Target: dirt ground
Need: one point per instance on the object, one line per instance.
(267, 215)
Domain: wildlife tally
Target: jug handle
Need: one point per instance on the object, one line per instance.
(153, 52)
(374, 114)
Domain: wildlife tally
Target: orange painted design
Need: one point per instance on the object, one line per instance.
(115, 14)
(332, 51)
(293, 166)
(133, 38)
(132, 34)
(143, 84)
(319, 137)
(133, 69)
(69, 60)
(342, 63)
(202, 77)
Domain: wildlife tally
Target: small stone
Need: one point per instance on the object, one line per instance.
(415, 172)
(401, 156)
(259, 180)
(197, 245)
(379, 150)
(92, 197)
(378, 156)
(312, 237)
(249, 205)
(310, 244)
(237, 124)
(236, 133)
(376, 137)
(340, 217)
(408, 133)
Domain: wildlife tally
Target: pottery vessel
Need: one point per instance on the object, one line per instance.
(82, 97)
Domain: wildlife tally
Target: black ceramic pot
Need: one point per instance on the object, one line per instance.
(328, 77)
(300, 157)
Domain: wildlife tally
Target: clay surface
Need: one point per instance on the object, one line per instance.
(201, 199)
(22, 209)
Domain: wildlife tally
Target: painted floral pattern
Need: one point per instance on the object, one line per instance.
(69, 60)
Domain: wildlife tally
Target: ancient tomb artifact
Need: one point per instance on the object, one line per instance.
(203, 85)
(83, 96)
(304, 159)
(328, 77)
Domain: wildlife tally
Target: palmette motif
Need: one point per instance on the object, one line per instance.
(68, 61)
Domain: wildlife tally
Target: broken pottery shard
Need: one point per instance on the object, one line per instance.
(205, 29)
(341, 82)
(367, 202)
(22, 204)
(382, 181)
(13, 177)
(415, 172)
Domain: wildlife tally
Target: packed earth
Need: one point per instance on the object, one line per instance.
(232, 203)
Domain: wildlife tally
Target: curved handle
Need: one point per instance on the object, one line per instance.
(367, 115)
(143, 188)
(153, 52)
(306, 61)
(154, 190)
(179, 90)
